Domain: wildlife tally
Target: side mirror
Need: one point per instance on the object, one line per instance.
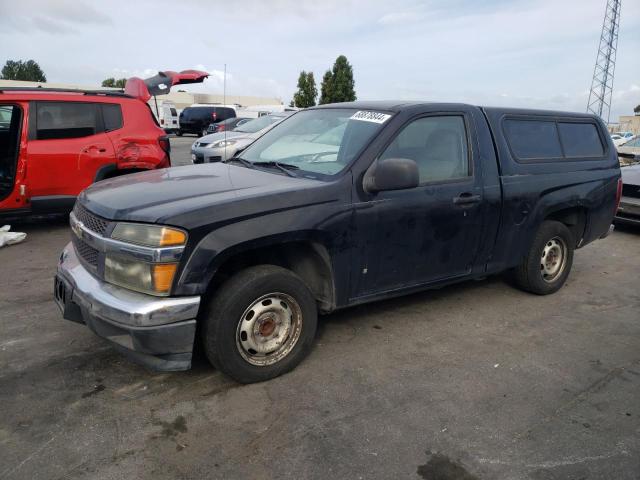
(392, 174)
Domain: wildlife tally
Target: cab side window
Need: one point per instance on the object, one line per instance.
(65, 120)
(437, 144)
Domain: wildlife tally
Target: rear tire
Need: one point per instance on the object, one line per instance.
(548, 263)
(178, 133)
(261, 323)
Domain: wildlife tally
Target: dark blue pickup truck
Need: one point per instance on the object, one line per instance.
(338, 205)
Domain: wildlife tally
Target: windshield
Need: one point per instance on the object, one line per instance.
(319, 142)
(253, 126)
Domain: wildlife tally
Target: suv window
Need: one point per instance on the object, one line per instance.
(65, 120)
(533, 139)
(112, 116)
(580, 139)
(437, 144)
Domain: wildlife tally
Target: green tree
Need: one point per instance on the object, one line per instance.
(342, 84)
(637, 110)
(326, 92)
(113, 83)
(28, 71)
(307, 92)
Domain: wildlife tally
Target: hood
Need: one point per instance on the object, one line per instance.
(631, 175)
(195, 194)
(214, 137)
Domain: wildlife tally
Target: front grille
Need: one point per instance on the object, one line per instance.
(91, 221)
(630, 190)
(87, 253)
(214, 159)
(202, 144)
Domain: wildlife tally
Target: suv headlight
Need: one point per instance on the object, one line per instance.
(221, 143)
(152, 278)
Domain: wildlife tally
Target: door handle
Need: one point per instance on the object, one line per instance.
(466, 199)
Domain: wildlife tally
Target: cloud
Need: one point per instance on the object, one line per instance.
(54, 17)
(500, 52)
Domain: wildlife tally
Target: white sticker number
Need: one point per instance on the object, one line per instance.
(375, 117)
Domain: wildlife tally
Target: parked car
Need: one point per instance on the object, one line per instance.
(196, 119)
(217, 147)
(226, 125)
(629, 208)
(56, 142)
(337, 205)
(621, 137)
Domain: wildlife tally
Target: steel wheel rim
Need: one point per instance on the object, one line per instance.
(269, 329)
(553, 259)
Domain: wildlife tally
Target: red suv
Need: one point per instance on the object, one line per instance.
(56, 142)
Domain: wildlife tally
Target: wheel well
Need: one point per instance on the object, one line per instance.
(575, 218)
(309, 260)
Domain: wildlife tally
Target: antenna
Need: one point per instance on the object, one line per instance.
(224, 102)
(599, 101)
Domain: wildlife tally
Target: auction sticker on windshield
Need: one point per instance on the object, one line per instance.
(375, 117)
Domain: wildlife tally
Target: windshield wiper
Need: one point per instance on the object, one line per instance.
(243, 161)
(285, 167)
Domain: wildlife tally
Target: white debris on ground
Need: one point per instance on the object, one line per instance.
(10, 238)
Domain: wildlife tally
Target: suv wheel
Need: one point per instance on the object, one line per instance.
(260, 324)
(548, 262)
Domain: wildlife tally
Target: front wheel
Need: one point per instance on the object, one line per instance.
(547, 265)
(260, 324)
(178, 133)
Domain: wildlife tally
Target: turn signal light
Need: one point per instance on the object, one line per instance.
(171, 237)
(163, 276)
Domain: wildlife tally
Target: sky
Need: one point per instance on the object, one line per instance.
(519, 53)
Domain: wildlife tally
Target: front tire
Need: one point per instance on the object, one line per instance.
(260, 324)
(178, 133)
(548, 263)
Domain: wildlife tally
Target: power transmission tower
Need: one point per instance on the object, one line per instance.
(602, 83)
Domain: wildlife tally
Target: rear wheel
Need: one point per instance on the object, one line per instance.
(260, 324)
(548, 262)
(203, 132)
(179, 133)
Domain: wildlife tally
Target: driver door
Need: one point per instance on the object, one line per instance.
(429, 233)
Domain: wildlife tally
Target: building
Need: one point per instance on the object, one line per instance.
(629, 123)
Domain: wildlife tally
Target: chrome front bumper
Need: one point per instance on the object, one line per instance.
(157, 332)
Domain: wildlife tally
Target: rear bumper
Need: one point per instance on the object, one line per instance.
(155, 332)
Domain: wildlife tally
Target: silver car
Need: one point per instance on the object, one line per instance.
(217, 147)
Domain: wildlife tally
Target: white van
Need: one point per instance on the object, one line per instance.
(166, 113)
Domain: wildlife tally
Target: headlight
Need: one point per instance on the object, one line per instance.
(221, 144)
(152, 278)
(149, 235)
(155, 279)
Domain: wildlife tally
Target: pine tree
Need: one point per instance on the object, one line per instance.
(307, 92)
(326, 90)
(337, 84)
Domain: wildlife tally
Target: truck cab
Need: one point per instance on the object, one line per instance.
(335, 206)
